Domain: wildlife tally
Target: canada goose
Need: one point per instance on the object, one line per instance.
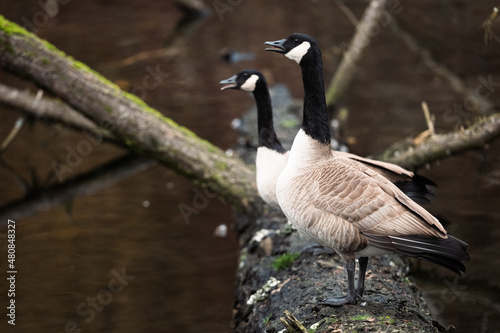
(272, 157)
(357, 212)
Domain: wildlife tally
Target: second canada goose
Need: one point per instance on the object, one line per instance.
(355, 211)
(272, 157)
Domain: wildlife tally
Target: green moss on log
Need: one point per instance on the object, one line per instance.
(11, 28)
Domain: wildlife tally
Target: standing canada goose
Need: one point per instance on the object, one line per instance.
(272, 157)
(338, 204)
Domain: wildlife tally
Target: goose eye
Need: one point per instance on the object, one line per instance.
(296, 40)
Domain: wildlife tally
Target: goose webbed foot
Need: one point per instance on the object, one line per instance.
(360, 291)
(352, 293)
(350, 298)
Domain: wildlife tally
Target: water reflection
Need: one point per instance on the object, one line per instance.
(66, 191)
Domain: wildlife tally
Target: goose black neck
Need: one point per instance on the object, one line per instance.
(315, 119)
(267, 135)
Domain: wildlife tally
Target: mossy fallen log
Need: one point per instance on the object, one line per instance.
(263, 293)
(132, 122)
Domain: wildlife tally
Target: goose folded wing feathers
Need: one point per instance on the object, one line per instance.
(370, 202)
(414, 186)
(389, 169)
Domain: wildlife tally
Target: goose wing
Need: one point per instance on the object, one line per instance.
(369, 201)
(414, 186)
(389, 169)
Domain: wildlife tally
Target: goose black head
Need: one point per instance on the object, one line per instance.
(297, 47)
(246, 80)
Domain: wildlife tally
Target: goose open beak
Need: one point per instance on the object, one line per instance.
(276, 46)
(229, 83)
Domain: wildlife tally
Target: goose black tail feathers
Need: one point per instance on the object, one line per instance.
(449, 253)
(418, 189)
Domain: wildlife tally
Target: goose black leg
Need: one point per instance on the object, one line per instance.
(350, 298)
(363, 262)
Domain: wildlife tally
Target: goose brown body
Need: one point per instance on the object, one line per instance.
(336, 201)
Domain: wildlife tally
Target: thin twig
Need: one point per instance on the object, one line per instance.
(439, 69)
(348, 12)
(13, 132)
(37, 99)
(428, 118)
(488, 33)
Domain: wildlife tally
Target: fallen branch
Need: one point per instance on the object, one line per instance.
(132, 122)
(439, 69)
(47, 108)
(345, 72)
(408, 155)
(292, 324)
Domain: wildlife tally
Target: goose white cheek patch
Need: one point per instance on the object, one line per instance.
(250, 83)
(298, 52)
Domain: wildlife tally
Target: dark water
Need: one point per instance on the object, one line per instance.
(124, 259)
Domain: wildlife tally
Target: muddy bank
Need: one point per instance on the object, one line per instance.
(275, 275)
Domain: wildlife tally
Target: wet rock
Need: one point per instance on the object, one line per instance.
(265, 247)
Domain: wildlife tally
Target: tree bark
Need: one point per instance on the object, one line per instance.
(47, 108)
(132, 122)
(411, 154)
